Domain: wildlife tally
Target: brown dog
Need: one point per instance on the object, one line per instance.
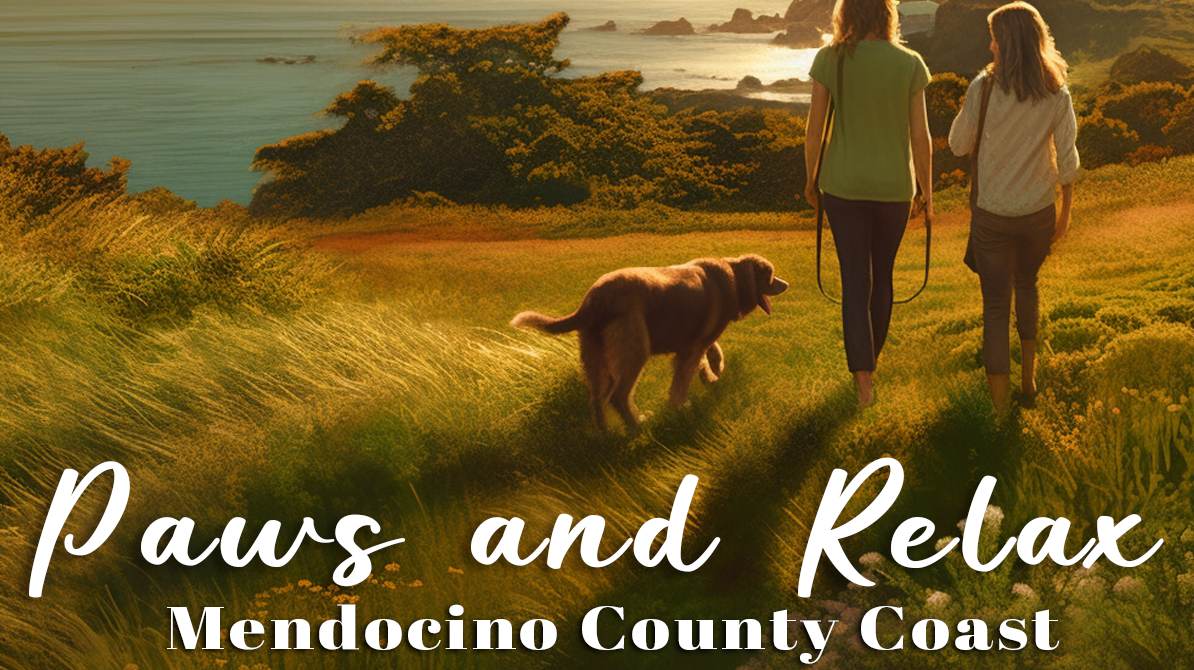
(630, 314)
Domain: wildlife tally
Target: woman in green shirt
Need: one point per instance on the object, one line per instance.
(879, 148)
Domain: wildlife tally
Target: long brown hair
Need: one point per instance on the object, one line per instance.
(1028, 60)
(856, 20)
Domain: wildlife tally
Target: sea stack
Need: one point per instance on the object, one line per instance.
(680, 26)
(607, 27)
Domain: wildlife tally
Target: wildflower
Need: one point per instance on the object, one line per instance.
(1129, 586)
(872, 560)
(938, 600)
(389, 585)
(993, 517)
(316, 589)
(1185, 588)
(1115, 411)
(1024, 591)
(393, 567)
(834, 606)
(415, 584)
(304, 583)
(455, 571)
(1090, 588)
(1174, 408)
(1188, 535)
(944, 542)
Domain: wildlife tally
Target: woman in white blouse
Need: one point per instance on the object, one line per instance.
(1026, 151)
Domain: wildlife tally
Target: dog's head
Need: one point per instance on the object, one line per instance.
(755, 279)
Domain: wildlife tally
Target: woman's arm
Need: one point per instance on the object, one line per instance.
(1064, 137)
(813, 132)
(1063, 214)
(922, 149)
(964, 129)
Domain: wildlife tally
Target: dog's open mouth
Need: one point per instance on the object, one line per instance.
(776, 287)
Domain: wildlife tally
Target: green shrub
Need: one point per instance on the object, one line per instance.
(34, 183)
(943, 100)
(1158, 356)
(1103, 141)
(1179, 132)
(1075, 335)
(1146, 108)
(1147, 64)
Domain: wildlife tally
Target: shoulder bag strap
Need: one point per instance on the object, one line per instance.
(978, 139)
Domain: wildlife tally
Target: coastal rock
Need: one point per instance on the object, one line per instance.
(800, 36)
(752, 84)
(275, 60)
(744, 22)
(607, 27)
(680, 26)
(816, 12)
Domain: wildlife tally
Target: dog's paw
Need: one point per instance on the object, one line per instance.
(708, 376)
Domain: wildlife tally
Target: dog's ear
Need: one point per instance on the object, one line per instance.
(761, 280)
(745, 286)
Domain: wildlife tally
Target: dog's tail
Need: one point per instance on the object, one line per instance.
(550, 325)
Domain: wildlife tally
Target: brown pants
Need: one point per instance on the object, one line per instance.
(1008, 253)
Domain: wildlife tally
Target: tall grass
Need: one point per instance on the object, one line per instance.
(238, 372)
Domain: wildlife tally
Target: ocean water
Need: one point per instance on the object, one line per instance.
(177, 86)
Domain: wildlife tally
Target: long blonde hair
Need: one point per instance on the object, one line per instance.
(856, 20)
(1029, 63)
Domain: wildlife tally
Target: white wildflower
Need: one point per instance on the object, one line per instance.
(1129, 586)
(872, 560)
(938, 600)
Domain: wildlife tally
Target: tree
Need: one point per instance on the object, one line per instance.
(490, 121)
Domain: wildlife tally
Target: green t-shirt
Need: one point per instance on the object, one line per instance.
(869, 156)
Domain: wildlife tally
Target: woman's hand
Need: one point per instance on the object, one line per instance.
(811, 194)
(922, 203)
(1062, 225)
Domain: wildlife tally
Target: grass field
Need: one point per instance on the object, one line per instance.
(385, 381)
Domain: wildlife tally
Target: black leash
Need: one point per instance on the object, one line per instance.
(841, 61)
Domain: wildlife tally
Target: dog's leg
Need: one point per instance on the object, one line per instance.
(685, 365)
(712, 364)
(592, 357)
(627, 349)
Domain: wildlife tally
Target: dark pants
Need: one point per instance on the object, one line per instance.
(867, 235)
(1008, 252)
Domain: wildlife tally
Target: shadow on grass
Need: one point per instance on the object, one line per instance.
(746, 496)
